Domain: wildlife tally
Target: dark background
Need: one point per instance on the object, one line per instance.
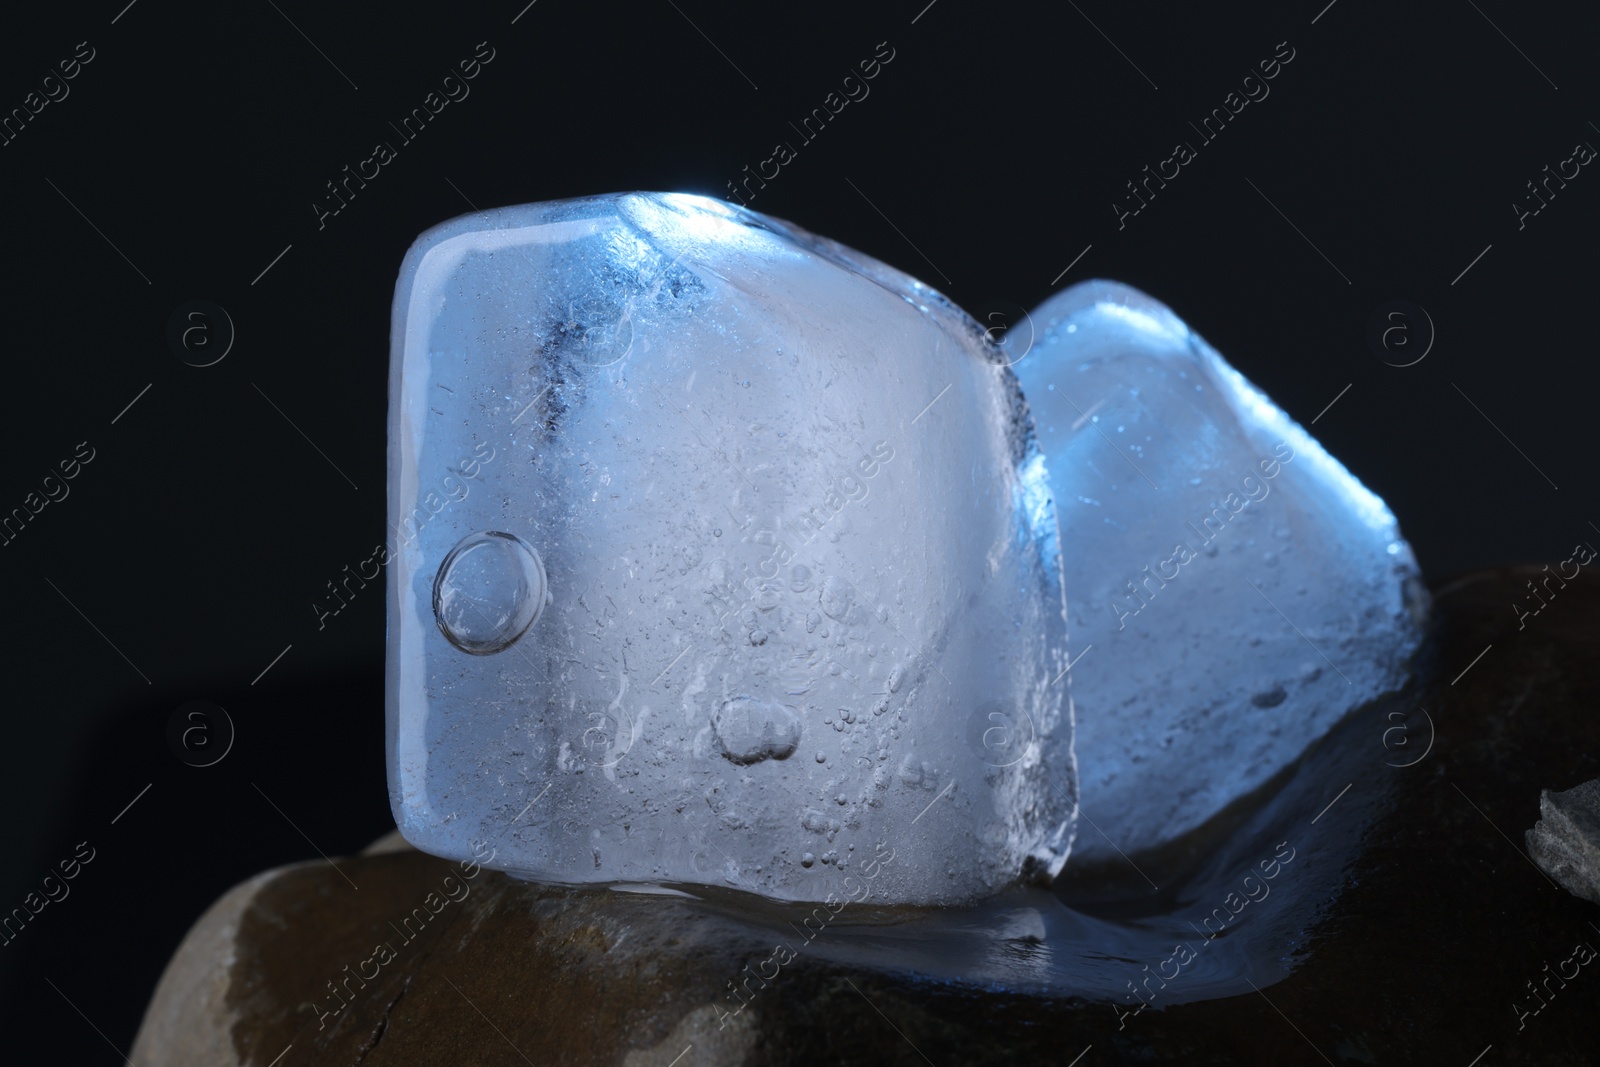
(192, 147)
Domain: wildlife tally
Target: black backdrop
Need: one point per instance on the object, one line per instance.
(184, 159)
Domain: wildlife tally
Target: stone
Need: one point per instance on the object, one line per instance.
(1368, 906)
(1233, 591)
(1565, 842)
(705, 527)
(187, 1021)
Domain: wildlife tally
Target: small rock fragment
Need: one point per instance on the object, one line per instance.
(1565, 842)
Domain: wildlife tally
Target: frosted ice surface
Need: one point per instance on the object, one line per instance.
(723, 557)
(1232, 590)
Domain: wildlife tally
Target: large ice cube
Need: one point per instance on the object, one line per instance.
(724, 557)
(1232, 589)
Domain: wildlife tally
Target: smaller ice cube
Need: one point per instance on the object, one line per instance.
(1233, 590)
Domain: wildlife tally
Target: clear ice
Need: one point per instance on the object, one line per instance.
(1232, 590)
(724, 556)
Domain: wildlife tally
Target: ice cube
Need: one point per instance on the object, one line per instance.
(1232, 590)
(707, 529)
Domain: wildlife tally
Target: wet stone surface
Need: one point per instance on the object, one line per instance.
(1372, 904)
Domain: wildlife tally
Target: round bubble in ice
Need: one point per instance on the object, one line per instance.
(489, 590)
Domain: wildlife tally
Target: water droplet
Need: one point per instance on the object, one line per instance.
(752, 730)
(489, 590)
(1269, 698)
(807, 860)
(836, 597)
(911, 770)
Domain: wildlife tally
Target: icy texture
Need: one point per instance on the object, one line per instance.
(1232, 590)
(724, 557)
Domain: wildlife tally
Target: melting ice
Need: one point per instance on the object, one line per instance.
(1233, 591)
(765, 580)
(756, 576)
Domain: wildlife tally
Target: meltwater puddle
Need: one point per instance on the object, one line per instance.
(1228, 911)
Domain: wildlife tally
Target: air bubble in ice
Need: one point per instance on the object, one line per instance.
(489, 590)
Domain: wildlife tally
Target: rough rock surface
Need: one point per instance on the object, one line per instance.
(1408, 926)
(1566, 839)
